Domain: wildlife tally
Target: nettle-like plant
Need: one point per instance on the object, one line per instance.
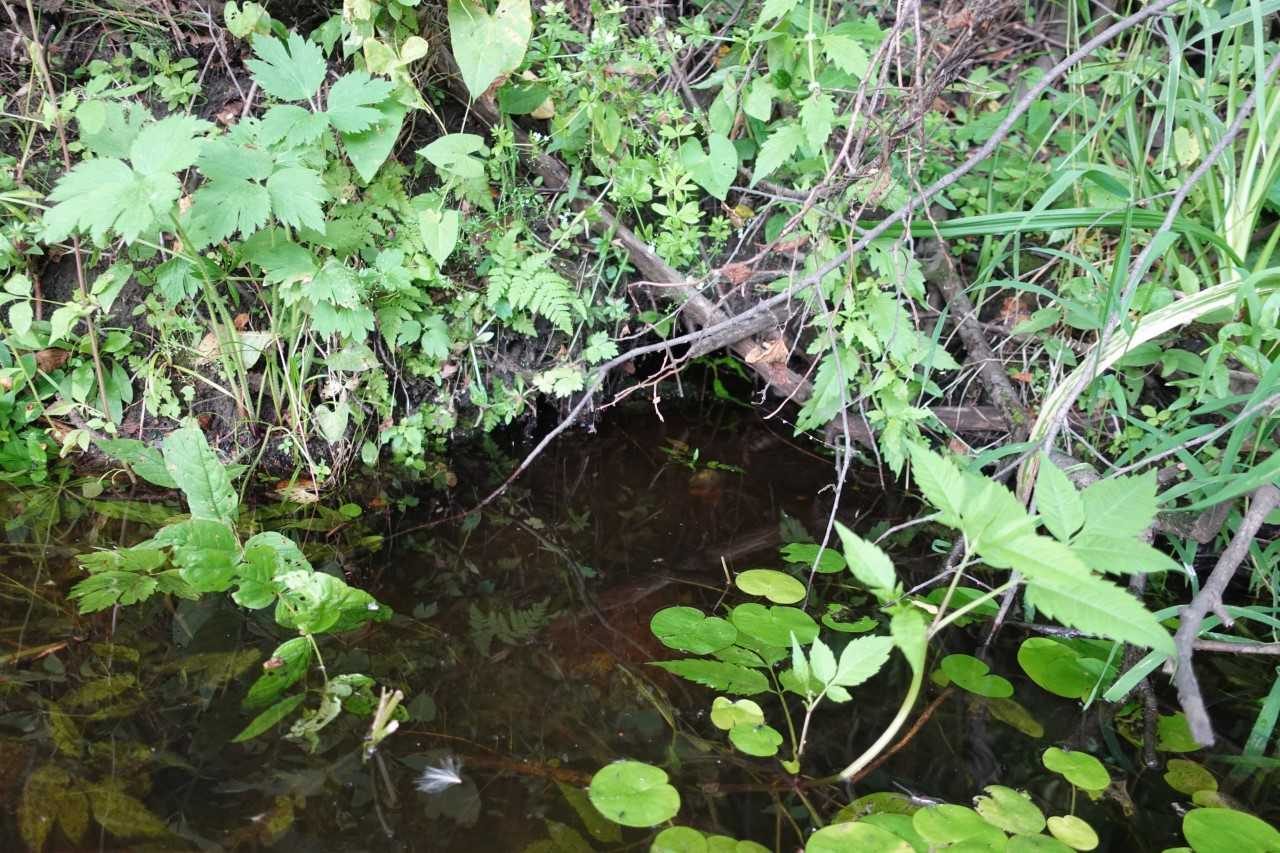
(773, 648)
(203, 554)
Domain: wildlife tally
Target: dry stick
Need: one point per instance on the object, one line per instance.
(1262, 501)
(1143, 261)
(732, 330)
(36, 49)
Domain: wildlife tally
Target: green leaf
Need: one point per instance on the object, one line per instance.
(296, 195)
(439, 230)
(1228, 831)
(203, 479)
(724, 677)
(454, 155)
(857, 836)
(756, 739)
(269, 717)
(778, 587)
(1073, 832)
(633, 794)
(777, 149)
(861, 659)
(122, 815)
(776, 9)
(846, 53)
(285, 666)
(1061, 668)
(291, 124)
(774, 626)
(829, 560)
(98, 196)
(310, 601)
(673, 839)
(973, 675)
(1187, 777)
(167, 145)
(1010, 810)
(871, 566)
(353, 100)
(817, 117)
(911, 636)
(292, 73)
(488, 46)
(822, 661)
(725, 713)
(1079, 768)
(369, 149)
(940, 482)
(143, 460)
(205, 551)
(687, 629)
(947, 824)
(107, 589)
(1119, 555)
(714, 169)
(1120, 506)
(1057, 501)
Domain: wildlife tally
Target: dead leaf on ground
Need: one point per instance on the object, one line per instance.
(771, 352)
(736, 273)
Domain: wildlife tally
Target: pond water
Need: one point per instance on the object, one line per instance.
(520, 641)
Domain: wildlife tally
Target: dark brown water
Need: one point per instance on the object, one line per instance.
(520, 642)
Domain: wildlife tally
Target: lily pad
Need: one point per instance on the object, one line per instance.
(778, 587)
(1173, 734)
(1015, 714)
(679, 839)
(725, 713)
(688, 629)
(1073, 832)
(1187, 777)
(1079, 768)
(1060, 668)
(900, 825)
(634, 794)
(804, 553)
(1010, 810)
(969, 673)
(1035, 844)
(946, 824)
(774, 626)
(861, 837)
(1228, 831)
(756, 739)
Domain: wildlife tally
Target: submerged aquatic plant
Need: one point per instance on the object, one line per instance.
(436, 780)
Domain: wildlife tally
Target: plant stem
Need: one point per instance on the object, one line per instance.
(908, 702)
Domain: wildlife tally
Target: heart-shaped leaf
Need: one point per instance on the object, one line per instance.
(713, 169)
(969, 673)
(778, 587)
(634, 794)
(1079, 768)
(688, 629)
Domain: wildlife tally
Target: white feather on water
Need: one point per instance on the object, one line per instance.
(437, 779)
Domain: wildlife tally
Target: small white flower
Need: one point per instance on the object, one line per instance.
(436, 779)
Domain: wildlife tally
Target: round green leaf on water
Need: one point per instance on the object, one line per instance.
(726, 713)
(774, 626)
(1073, 832)
(900, 825)
(1058, 668)
(1010, 810)
(880, 802)
(756, 739)
(1035, 844)
(633, 794)
(969, 673)
(1173, 734)
(1014, 714)
(725, 844)
(1079, 768)
(1187, 777)
(804, 553)
(1228, 831)
(948, 823)
(857, 837)
(688, 629)
(778, 587)
(679, 839)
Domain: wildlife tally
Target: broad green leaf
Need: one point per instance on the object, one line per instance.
(107, 589)
(310, 601)
(774, 626)
(291, 124)
(21, 316)
(846, 54)
(233, 198)
(1016, 715)
(973, 675)
(1228, 831)
(439, 230)
(122, 815)
(1057, 501)
(203, 479)
(1061, 668)
(822, 661)
(688, 629)
(104, 195)
(940, 482)
(269, 717)
(457, 155)
(167, 145)
(727, 713)
(353, 101)
(1010, 810)
(142, 459)
(777, 149)
(1173, 734)
(861, 659)
(778, 587)
(1073, 832)
(634, 794)
(911, 636)
(775, 9)
(713, 169)
(673, 839)
(487, 46)
(297, 194)
(871, 566)
(1119, 555)
(817, 117)
(286, 665)
(948, 824)
(724, 677)
(287, 73)
(1079, 768)
(829, 560)
(1034, 844)
(1120, 506)
(992, 518)
(370, 148)
(51, 798)
(205, 552)
(861, 836)
(756, 739)
(1187, 777)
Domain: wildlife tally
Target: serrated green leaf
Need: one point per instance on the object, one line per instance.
(1120, 506)
(940, 482)
(861, 659)
(98, 196)
(777, 149)
(353, 100)
(871, 566)
(167, 145)
(287, 73)
(297, 194)
(1057, 501)
(1120, 555)
(911, 636)
(724, 677)
(291, 124)
(776, 9)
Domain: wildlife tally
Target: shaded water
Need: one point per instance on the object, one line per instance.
(520, 641)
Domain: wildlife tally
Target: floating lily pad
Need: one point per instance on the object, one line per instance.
(778, 587)
(679, 839)
(726, 713)
(804, 553)
(1015, 714)
(634, 794)
(1010, 810)
(1079, 768)
(900, 825)
(1228, 831)
(774, 626)
(1173, 734)
(1035, 844)
(861, 837)
(946, 824)
(969, 673)
(756, 739)
(688, 629)
(725, 844)
(1073, 832)
(1188, 777)
(1060, 668)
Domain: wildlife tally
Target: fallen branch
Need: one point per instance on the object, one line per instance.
(1262, 501)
